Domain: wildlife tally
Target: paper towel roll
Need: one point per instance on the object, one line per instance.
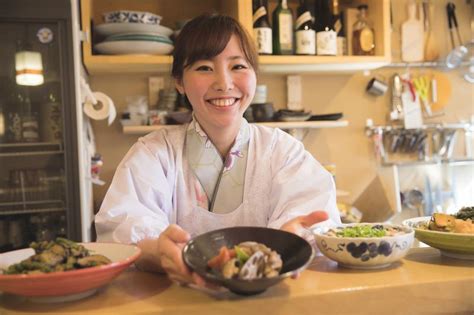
(104, 108)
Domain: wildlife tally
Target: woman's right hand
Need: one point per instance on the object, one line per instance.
(170, 248)
(164, 254)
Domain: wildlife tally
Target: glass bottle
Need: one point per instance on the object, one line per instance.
(363, 39)
(14, 116)
(261, 28)
(282, 29)
(51, 115)
(305, 34)
(2, 121)
(326, 43)
(29, 121)
(338, 22)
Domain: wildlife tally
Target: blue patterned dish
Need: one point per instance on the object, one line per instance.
(364, 252)
(125, 16)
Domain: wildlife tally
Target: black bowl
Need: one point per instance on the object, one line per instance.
(296, 253)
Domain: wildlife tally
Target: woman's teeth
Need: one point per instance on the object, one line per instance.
(222, 101)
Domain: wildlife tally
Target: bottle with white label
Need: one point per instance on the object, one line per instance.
(338, 22)
(282, 29)
(363, 39)
(305, 34)
(261, 28)
(326, 36)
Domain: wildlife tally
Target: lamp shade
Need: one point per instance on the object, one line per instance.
(29, 68)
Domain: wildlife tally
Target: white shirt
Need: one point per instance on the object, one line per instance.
(153, 187)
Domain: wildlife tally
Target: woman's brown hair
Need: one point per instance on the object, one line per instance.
(205, 37)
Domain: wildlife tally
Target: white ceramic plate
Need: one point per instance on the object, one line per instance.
(125, 47)
(107, 29)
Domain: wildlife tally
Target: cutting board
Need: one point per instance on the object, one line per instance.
(412, 36)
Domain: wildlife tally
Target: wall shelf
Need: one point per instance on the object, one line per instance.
(92, 10)
(141, 130)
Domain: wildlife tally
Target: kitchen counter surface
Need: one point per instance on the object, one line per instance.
(423, 283)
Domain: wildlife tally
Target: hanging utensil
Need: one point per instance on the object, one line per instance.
(422, 86)
(456, 56)
(431, 46)
(397, 89)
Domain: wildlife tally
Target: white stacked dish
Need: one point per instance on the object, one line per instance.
(136, 43)
(133, 32)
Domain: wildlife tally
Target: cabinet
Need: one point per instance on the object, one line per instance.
(175, 10)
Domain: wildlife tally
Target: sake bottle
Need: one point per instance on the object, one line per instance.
(282, 29)
(261, 28)
(363, 39)
(338, 22)
(326, 42)
(305, 34)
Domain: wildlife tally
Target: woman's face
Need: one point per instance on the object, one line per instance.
(220, 89)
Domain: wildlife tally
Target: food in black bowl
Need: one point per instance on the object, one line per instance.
(294, 251)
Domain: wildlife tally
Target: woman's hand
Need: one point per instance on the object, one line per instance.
(299, 224)
(165, 255)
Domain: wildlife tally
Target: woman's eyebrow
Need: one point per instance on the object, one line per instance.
(236, 57)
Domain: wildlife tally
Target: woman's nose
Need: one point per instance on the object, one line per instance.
(223, 81)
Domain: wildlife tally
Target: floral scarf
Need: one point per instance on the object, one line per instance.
(219, 184)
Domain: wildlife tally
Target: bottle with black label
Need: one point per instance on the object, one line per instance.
(326, 42)
(363, 39)
(338, 22)
(261, 28)
(282, 29)
(305, 34)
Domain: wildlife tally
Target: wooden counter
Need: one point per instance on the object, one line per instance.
(423, 283)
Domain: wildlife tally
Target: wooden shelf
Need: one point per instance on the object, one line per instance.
(289, 64)
(240, 9)
(101, 64)
(141, 130)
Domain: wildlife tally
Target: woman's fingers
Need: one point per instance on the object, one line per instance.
(313, 218)
(300, 223)
(177, 234)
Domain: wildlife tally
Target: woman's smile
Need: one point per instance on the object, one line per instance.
(223, 102)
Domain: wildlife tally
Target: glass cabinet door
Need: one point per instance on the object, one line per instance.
(33, 164)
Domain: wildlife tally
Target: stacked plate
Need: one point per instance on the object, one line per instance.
(133, 32)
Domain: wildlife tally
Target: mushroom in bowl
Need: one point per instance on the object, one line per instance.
(364, 245)
(209, 253)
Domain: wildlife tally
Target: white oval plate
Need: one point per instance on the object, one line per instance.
(107, 29)
(130, 47)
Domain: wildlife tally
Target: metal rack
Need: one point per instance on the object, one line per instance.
(429, 144)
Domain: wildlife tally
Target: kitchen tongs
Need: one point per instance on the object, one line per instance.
(452, 21)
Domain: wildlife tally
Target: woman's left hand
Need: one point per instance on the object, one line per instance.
(299, 224)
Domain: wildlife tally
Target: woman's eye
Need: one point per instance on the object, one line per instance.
(203, 68)
(239, 67)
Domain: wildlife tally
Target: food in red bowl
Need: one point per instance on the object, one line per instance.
(69, 284)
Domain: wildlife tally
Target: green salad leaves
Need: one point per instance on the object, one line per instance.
(362, 231)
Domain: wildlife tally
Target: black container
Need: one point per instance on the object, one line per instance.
(296, 253)
(263, 112)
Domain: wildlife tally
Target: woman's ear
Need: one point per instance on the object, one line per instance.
(178, 83)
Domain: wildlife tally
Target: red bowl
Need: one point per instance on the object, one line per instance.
(66, 283)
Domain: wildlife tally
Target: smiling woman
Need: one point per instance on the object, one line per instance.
(217, 72)
(217, 171)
